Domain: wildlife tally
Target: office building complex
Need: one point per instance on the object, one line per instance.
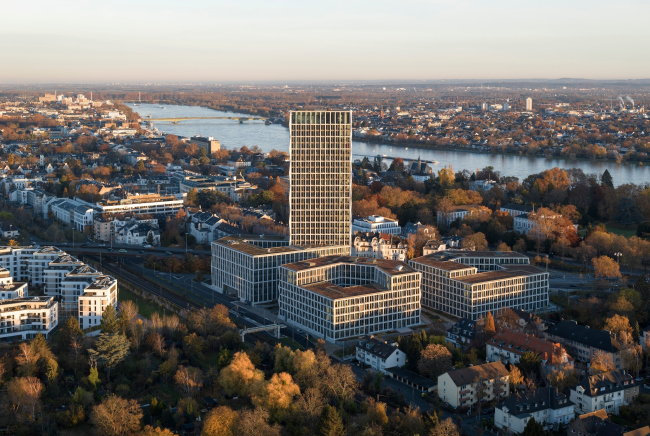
(469, 284)
(77, 289)
(338, 297)
(247, 266)
(320, 198)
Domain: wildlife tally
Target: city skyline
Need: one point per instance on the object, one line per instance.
(71, 42)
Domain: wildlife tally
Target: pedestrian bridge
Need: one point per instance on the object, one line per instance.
(275, 327)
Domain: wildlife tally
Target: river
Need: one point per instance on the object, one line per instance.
(233, 134)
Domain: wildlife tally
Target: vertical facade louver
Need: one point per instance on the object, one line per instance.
(321, 178)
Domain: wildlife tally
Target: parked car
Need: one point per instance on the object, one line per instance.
(123, 250)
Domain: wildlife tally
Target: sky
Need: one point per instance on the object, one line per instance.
(154, 41)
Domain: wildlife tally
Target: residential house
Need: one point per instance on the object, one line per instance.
(582, 342)
(546, 406)
(379, 246)
(609, 391)
(464, 387)
(462, 334)
(598, 424)
(508, 346)
(379, 355)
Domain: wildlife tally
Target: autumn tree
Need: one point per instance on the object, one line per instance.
(255, 422)
(601, 362)
(606, 267)
(240, 377)
(220, 421)
(277, 394)
(516, 378)
(189, 380)
(434, 360)
(115, 416)
(24, 394)
(475, 242)
(620, 326)
(490, 327)
(445, 428)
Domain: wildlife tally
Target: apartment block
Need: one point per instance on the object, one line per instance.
(609, 391)
(508, 346)
(338, 297)
(583, 342)
(463, 387)
(469, 284)
(25, 318)
(376, 223)
(546, 406)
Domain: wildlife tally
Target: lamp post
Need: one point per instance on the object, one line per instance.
(618, 257)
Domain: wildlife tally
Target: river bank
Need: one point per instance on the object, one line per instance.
(232, 134)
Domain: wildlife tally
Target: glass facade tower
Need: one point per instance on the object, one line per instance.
(320, 199)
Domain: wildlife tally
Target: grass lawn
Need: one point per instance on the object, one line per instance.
(618, 229)
(145, 307)
(292, 343)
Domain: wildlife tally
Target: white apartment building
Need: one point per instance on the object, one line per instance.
(515, 209)
(380, 355)
(25, 318)
(62, 276)
(529, 104)
(376, 223)
(247, 266)
(463, 387)
(609, 391)
(92, 303)
(545, 405)
(457, 212)
(338, 297)
(469, 284)
(379, 246)
(10, 289)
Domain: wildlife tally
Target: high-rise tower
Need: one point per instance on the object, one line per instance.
(320, 198)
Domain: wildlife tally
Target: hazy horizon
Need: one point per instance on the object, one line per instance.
(162, 42)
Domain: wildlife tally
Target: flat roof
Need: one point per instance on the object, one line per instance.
(330, 290)
(254, 250)
(392, 267)
(448, 265)
(506, 273)
(457, 254)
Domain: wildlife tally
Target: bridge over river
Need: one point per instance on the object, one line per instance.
(178, 119)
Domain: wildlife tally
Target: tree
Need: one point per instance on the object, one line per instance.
(628, 213)
(109, 322)
(220, 421)
(562, 378)
(189, 379)
(533, 428)
(110, 349)
(530, 362)
(620, 326)
(255, 422)
(475, 242)
(490, 328)
(606, 267)
(192, 198)
(278, 393)
(606, 179)
(240, 377)
(340, 381)
(434, 360)
(157, 431)
(601, 362)
(445, 428)
(24, 394)
(330, 423)
(377, 412)
(115, 416)
(516, 378)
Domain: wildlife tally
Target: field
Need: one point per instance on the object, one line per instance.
(621, 230)
(146, 307)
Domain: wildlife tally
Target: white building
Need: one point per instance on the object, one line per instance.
(338, 297)
(609, 391)
(469, 284)
(10, 289)
(549, 408)
(529, 104)
(138, 233)
(379, 246)
(94, 300)
(376, 223)
(463, 387)
(203, 227)
(379, 355)
(25, 318)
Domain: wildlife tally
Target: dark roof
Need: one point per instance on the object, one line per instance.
(487, 371)
(465, 328)
(528, 402)
(601, 384)
(376, 347)
(582, 334)
(519, 207)
(414, 378)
